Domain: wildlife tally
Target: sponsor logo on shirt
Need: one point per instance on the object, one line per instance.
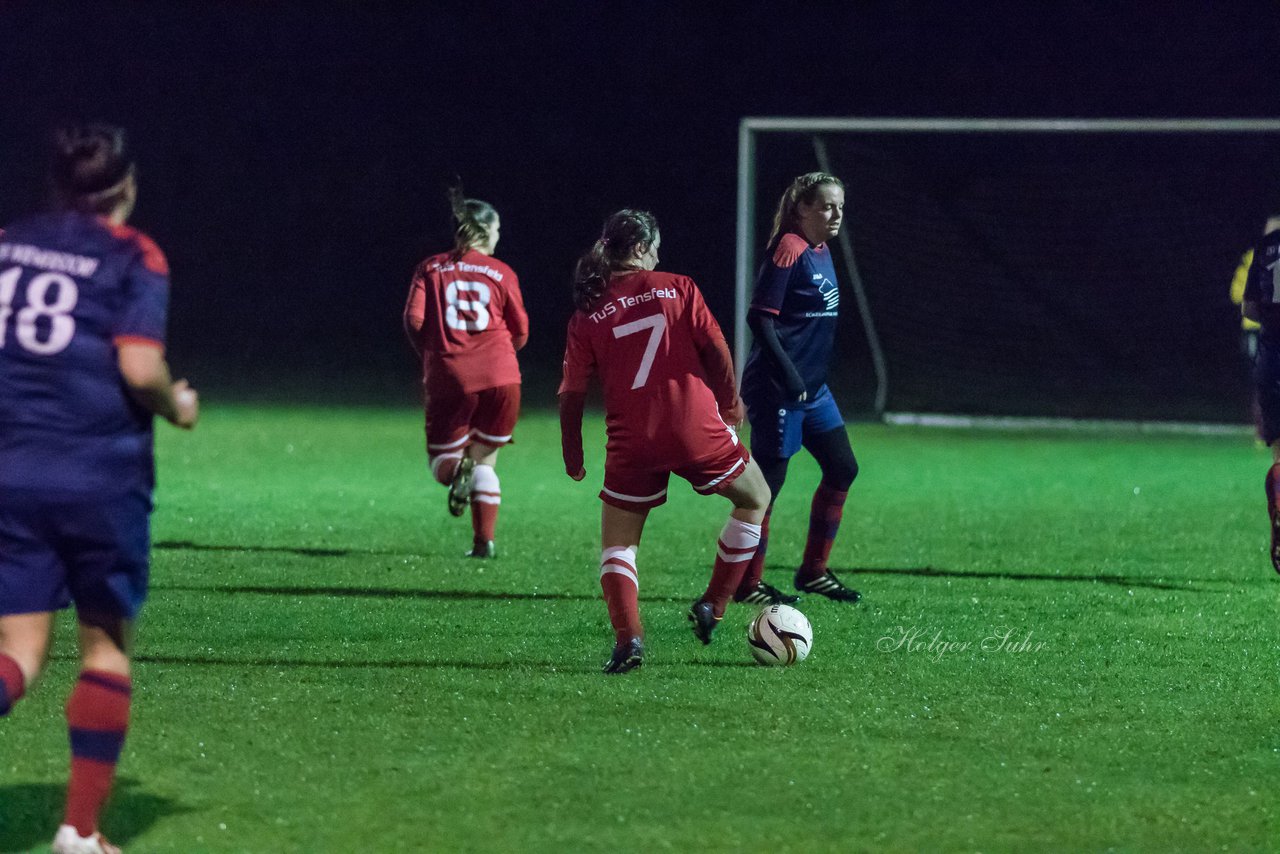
(616, 303)
(44, 259)
(482, 269)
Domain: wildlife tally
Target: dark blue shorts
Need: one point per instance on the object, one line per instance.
(93, 553)
(779, 430)
(1266, 379)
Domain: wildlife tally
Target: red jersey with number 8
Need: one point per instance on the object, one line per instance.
(644, 339)
(465, 317)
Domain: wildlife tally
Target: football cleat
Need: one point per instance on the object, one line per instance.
(703, 619)
(828, 585)
(69, 841)
(484, 549)
(460, 486)
(767, 594)
(627, 655)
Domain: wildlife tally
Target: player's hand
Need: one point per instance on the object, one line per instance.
(578, 475)
(734, 415)
(186, 405)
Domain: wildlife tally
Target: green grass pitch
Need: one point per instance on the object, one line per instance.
(318, 668)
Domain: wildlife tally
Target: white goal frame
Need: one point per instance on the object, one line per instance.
(750, 126)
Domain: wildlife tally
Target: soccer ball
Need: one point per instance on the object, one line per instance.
(780, 635)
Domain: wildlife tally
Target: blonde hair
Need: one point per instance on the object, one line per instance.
(802, 189)
(472, 220)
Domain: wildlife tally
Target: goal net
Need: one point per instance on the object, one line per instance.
(1053, 268)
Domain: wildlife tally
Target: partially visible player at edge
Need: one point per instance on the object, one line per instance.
(83, 303)
(465, 318)
(670, 405)
(793, 316)
(1262, 304)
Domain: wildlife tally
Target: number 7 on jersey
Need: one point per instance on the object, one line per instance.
(656, 324)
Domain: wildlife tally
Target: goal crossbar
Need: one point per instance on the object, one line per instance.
(752, 125)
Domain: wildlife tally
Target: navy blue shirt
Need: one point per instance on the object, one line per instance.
(1263, 285)
(73, 287)
(797, 285)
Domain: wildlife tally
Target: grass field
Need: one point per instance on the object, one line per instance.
(320, 670)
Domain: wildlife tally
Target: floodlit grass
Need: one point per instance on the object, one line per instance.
(1067, 643)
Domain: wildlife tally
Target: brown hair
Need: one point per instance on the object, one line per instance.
(88, 166)
(802, 189)
(472, 219)
(622, 233)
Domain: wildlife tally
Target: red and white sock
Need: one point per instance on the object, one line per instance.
(97, 719)
(737, 545)
(12, 684)
(486, 496)
(445, 466)
(755, 567)
(621, 588)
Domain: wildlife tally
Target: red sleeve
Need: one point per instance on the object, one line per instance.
(514, 315)
(571, 406)
(415, 311)
(579, 360)
(713, 353)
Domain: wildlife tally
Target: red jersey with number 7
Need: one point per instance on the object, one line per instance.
(465, 317)
(646, 338)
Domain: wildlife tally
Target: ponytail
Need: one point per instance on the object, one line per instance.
(472, 219)
(622, 233)
(88, 166)
(802, 189)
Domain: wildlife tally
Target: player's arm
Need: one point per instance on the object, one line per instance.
(717, 363)
(415, 312)
(514, 315)
(764, 326)
(146, 374)
(572, 404)
(579, 364)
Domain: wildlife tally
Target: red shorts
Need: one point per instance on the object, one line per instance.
(629, 487)
(454, 419)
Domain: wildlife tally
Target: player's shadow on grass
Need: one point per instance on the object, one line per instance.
(401, 593)
(567, 667)
(31, 812)
(1114, 580)
(302, 551)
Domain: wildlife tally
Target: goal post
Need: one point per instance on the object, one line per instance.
(751, 217)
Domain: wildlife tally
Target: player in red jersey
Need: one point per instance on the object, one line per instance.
(465, 318)
(83, 304)
(670, 406)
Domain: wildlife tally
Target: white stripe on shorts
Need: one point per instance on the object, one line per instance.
(447, 446)
(635, 498)
(712, 485)
(492, 440)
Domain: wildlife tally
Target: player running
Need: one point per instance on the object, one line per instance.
(465, 318)
(83, 300)
(670, 406)
(1262, 304)
(793, 317)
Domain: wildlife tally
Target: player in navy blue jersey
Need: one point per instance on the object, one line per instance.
(1262, 304)
(83, 303)
(793, 316)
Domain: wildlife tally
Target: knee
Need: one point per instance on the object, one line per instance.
(841, 475)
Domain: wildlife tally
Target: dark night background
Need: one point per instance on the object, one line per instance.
(293, 158)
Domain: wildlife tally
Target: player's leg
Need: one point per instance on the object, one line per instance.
(32, 587)
(828, 440)
(620, 531)
(738, 541)
(106, 547)
(627, 498)
(776, 435)
(493, 423)
(447, 421)
(24, 642)
(1267, 383)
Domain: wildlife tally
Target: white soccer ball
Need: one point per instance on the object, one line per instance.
(780, 635)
